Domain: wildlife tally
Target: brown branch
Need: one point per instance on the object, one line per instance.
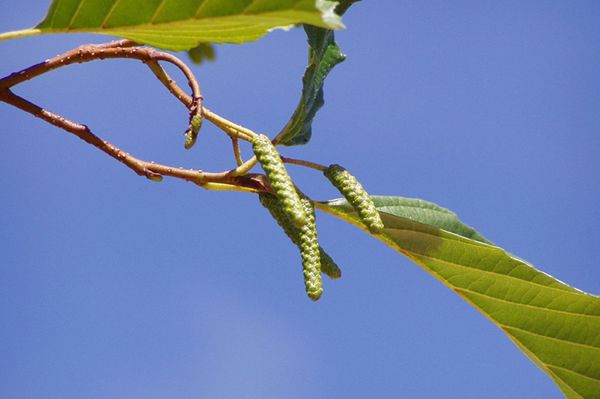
(118, 43)
(116, 49)
(233, 179)
(92, 52)
(150, 170)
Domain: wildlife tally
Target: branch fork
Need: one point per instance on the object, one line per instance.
(236, 179)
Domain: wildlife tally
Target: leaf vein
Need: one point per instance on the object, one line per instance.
(527, 305)
(586, 346)
(554, 366)
(421, 255)
(109, 14)
(75, 14)
(51, 20)
(157, 11)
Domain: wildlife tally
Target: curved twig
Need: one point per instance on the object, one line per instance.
(236, 179)
(232, 129)
(117, 49)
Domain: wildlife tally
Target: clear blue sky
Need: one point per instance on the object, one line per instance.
(116, 287)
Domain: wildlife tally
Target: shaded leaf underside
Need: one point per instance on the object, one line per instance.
(323, 55)
(556, 325)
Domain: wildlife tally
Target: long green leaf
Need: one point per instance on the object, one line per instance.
(556, 325)
(323, 55)
(182, 24)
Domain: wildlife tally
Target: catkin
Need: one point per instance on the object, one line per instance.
(309, 251)
(328, 265)
(279, 179)
(356, 195)
(273, 205)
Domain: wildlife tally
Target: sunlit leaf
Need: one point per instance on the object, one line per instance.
(556, 325)
(182, 24)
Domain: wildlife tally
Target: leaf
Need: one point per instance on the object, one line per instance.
(182, 24)
(419, 211)
(202, 52)
(556, 325)
(323, 55)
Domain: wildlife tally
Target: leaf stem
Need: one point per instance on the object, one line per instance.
(236, 151)
(228, 126)
(228, 187)
(244, 167)
(19, 33)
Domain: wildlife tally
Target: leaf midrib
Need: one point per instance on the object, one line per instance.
(554, 366)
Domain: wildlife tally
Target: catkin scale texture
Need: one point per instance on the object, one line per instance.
(309, 251)
(328, 265)
(273, 205)
(279, 179)
(356, 195)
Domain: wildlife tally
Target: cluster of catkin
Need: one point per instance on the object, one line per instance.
(296, 214)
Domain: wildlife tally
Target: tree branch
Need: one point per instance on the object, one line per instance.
(117, 49)
(237, 179)
(152, 171)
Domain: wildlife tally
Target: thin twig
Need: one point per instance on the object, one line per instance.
(150, 170)
(118, 43)
(115, 49)
(169, 83)
(301, 162)
(235, 143)
(237, 179)
(91, 52)
(244, 168)
(232, 129)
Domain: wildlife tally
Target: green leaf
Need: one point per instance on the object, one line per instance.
(419, 211)
(556, 325)
(323, 55)
(202, 52)
(182, 24)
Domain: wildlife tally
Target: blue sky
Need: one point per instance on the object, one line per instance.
(114, 286)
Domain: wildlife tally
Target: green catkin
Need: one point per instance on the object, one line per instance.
(192, 133)
(356, 195)
(309, 251)
(279, 179)
(273, 205)
(328, 266)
